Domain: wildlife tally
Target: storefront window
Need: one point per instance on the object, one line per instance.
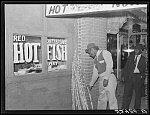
(27, 54)
(56, 53)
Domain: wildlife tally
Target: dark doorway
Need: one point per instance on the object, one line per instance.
(112, 47)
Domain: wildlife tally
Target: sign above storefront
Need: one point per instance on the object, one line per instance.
(75, 9)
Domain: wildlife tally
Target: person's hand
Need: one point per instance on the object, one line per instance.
(145, 81)
(105, 82)
(89, 87)
(100, 75)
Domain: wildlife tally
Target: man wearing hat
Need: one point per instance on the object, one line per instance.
(103, 69)
(134, 75)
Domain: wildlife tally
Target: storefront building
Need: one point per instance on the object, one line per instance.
(42, 51)
(33, 79)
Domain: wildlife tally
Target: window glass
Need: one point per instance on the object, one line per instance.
(56, 53)
(27, 54)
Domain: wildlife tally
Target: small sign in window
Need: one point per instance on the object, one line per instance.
(27, 54)
(56, 54)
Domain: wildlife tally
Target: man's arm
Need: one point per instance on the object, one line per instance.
(142, 68)
(94, 76)
(109, 64)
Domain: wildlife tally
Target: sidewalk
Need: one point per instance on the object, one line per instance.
(120, 90)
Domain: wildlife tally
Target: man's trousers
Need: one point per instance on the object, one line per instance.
(107, 94)
(133, 82)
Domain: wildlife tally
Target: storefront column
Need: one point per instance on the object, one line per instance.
(118, 56)
(91, 30)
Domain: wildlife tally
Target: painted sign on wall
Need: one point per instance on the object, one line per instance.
(69, 9)
(27, 56)
(56, 53)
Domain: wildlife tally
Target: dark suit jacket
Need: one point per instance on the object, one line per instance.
(130, 66)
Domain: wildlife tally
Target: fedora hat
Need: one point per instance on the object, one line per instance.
(89, 46)
(139, 46)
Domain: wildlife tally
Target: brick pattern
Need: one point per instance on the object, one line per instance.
(90, 30)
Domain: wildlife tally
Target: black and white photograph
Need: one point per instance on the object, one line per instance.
(75, 57)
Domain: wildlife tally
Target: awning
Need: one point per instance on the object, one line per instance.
(120, 19)
(140, 14)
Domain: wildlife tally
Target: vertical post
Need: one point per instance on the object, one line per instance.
(118, 56)
(44, 41)
(129, 34)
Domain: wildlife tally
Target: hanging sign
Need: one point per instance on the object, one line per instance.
(72, 9)
(140, 32)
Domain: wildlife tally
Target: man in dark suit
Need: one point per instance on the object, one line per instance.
(134, 75)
